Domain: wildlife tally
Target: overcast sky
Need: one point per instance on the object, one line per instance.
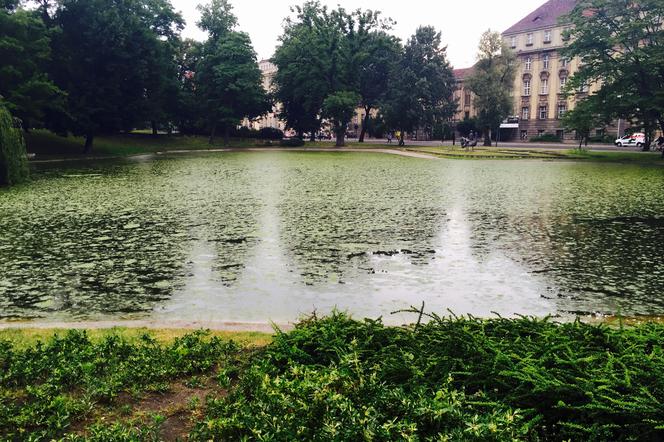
(460, 21)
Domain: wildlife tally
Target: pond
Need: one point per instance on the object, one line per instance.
(256, 237)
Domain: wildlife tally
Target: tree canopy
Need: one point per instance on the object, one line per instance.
(421, 85)
(25, 51)
(491, 82)
(620, 44)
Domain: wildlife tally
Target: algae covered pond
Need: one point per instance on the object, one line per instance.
(254, 237)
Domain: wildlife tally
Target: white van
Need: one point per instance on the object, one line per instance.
(638, 140)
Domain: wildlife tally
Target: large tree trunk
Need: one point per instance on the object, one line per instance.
(300, 134)
(365, 123)
(487, 137)
(89, 140)
(227, 135)
(213, 132)
(312, 138)
(154, 128)
(341, 137)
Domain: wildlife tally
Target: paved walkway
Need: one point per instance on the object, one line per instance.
(512, 145)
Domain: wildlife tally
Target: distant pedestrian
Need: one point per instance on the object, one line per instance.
(389, 138)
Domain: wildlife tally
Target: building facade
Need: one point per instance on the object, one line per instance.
(542, 74)
(540, 101)
(271, 119)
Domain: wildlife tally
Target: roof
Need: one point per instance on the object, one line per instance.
(462, 74)
(545, 16)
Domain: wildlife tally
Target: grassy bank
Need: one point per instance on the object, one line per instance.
(339, 379)
(47, 145)
(542, 154)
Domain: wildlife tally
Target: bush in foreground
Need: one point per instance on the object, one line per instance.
(338, 379)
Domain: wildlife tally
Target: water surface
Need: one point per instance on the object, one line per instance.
(253, 237)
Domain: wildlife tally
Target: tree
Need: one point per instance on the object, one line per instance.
(310, 65)
(339, 109)
(189, 112)
(230, 82)
(323, 52)
(13, 158)
(162, 91)
(108, 52)
(583, 119)
(491, 82)
(371, 53)
(620, 44)
(421, 85)
(25, 51)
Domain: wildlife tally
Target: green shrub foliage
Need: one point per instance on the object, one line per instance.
(336, 379)
(451, 379)
(292, 142)
(13, 157)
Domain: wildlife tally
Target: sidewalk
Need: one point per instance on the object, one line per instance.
(512, 145)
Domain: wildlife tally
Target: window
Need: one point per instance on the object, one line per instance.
(562, 108)
(530, 39)
(525, 113)
(560, 134)
(528, 63)
(543, 112)
(466, 98)
(526, 88)
(545, 61)
(513, 42)
(547, 36)
(563, 83)
(544, 86)
(564, 62)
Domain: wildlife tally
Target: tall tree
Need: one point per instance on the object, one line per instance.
(229, 80)
(310, 65)
(491, 82)
(107, 50)
(25, 51)
(13, 158)
(421, 87)
(339, 109)
(378, 52)
(583, 119)
(620, 44)
(323, 52)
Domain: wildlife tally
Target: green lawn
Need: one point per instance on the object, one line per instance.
(49, 146)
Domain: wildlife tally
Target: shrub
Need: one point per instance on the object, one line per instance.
(546, 138)
(270, 133)
(13, 156)
(292, 142)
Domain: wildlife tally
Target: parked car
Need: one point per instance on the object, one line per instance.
(638, 140)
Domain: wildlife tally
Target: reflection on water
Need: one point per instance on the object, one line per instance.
(269, 236)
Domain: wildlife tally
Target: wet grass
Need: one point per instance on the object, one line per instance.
(27, 337)
(541, 154)
(335, 378)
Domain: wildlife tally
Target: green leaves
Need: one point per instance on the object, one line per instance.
(13, 158)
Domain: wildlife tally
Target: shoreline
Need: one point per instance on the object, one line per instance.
(225, 326)
(268, 326)
(398, 152)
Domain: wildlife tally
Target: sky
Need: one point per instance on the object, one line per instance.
(461, 22)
